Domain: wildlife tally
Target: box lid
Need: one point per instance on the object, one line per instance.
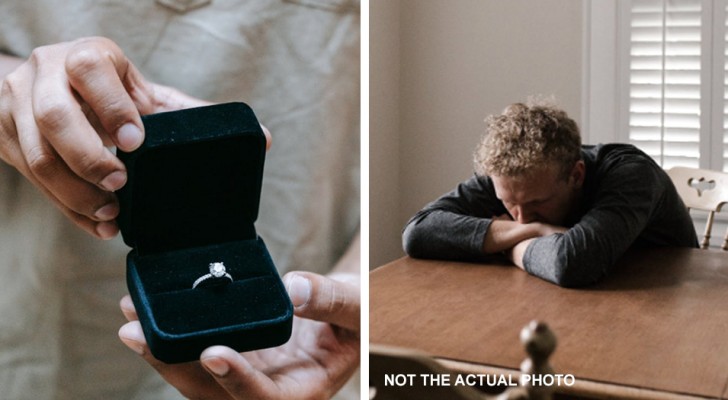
(195, 180)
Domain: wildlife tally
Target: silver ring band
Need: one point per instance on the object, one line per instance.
(217, 271)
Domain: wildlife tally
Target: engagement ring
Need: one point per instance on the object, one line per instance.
(217, 271)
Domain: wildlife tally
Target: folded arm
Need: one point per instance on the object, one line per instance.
(623, 208)
(453, 226)
(466, 223)
(631, 197)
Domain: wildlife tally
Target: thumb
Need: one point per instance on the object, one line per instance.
(323, 299)
(170, 99)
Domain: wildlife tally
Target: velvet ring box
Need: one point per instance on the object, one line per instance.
(191, 199)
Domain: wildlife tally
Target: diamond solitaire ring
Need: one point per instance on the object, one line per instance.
(217, 271)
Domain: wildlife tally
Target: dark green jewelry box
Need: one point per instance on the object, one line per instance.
(191, 199)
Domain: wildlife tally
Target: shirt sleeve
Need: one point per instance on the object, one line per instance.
(453, 227)
(624, 204)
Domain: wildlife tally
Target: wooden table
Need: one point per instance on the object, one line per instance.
(657, 327)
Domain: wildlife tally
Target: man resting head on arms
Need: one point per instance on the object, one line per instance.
(561, 211)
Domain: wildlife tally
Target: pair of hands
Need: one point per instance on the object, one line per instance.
(321, 355)
(60, 111)
(512, 238)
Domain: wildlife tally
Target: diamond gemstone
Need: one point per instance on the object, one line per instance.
(217, 269)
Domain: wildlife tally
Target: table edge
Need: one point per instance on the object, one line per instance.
(581, 388)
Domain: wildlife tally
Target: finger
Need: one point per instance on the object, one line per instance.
(74, 193)
(191, 380)
(170, 99)
(503, 217)
(93, 119)
(128, 309)
(164, 98)
(14, 102)
(103, 230)
(268, 137)
(52, 173)
(322, 299)
(99, 71)
(132, 336)
(234, 373)
(63, 124)
(9, 147)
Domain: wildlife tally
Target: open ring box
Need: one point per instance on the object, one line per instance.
(191, 199)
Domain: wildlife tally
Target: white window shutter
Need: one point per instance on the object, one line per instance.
(670, 84)
(664, 80)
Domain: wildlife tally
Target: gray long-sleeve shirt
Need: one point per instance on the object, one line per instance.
(628, 200)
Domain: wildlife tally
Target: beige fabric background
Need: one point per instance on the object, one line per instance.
(295, 62)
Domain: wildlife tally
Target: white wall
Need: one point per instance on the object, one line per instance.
(384, 102)
(457, 61)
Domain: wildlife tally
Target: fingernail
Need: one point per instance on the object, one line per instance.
(216, 365)
(129, 137)
(114, 181)
(107, 230)
(107, 212)
(299, 290)
(127, 304)
(130, 339)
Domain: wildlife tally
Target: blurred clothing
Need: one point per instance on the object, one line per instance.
(295, 62)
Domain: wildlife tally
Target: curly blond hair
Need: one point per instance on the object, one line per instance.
(525, 136)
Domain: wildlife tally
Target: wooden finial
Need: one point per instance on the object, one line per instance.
(539, 342)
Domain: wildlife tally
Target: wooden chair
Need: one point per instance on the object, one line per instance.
(705, 190)
(404, 363)
(538, 341)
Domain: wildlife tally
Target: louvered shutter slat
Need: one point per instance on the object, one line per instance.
(665, 79)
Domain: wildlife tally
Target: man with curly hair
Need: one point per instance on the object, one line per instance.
(559, 210)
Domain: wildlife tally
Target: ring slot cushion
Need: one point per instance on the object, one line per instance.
(192, 198)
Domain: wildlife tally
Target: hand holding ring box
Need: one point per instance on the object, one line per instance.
(190, 202)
